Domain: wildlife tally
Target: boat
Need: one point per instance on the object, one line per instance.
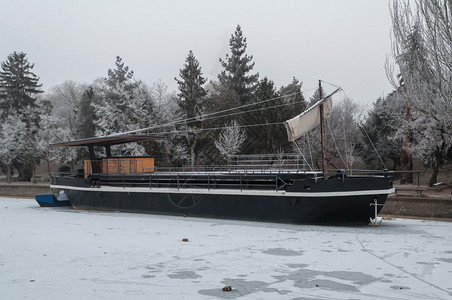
(50, 200)
(276, 193)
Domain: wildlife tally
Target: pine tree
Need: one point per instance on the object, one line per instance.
(379, 130)
(191, 91)
(85, 126)
(293, 95)
(119, 76)
(19, 88)
(191, 104)
(266, 138)
(237, 67)
(18, 84)
(120, 106)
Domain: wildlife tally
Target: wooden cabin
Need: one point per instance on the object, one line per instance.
(110, 164)
(121, 165)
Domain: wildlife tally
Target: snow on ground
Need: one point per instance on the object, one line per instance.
(61, 253)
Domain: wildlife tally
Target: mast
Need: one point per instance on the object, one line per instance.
(322, 133)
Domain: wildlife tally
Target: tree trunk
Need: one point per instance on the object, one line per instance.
(8, 173)
(438, 158)
(192, 153)
(406, 160)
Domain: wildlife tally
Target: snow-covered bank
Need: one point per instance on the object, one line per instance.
(60, 253)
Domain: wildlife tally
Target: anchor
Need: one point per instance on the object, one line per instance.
(375, 221)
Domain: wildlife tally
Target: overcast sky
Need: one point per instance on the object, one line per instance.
(344, 42)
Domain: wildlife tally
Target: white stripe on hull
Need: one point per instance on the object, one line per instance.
(266, 193)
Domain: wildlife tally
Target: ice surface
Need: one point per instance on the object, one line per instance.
(61, 253)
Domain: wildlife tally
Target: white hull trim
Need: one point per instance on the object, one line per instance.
(266, 193)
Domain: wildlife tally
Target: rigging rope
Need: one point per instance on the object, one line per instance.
(209, 114)
(230, 112)
(370, 140)
(310, 150)
(304, 158)
(330, 83)
(215, 128)
(362, 126)
(247, 111)
(335, 145)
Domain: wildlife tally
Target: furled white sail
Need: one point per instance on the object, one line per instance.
(304, 122)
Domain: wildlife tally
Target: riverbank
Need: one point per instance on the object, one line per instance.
(23, 189)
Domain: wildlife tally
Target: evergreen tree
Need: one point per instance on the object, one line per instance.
(293, 97)
(119, 76)
(85, 126)
(120, 107)
(237, 67)
(269, 137)
(191, 91)
(190, 101)
(293, 94)
(19, 86)
(379, 130)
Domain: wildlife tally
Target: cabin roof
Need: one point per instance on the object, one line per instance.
(109, 140)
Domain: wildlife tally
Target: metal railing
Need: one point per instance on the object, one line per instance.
(200, 182)
(238, 164)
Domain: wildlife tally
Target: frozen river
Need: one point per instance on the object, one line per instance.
(61, 253)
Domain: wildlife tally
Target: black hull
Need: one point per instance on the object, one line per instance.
(340, 209)
(284, 198)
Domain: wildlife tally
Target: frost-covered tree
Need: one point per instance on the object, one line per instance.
(12, 135)
(51, 127)
(65, 100)
(412, 61)
(161, 98)
(343, 131)
(120, 106)
(230, 139)
(430, 145)
(237, 67)
(31, 151)
(121, 76)
(342, 136)
(65, 117)
(19, 88)
(422, 47)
